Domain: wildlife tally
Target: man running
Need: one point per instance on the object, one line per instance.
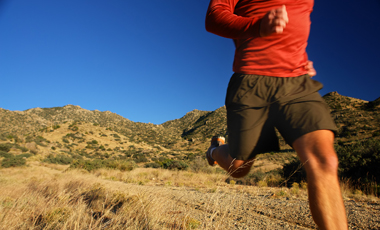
(272, 88)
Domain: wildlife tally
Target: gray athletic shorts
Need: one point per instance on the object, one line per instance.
(256, 105)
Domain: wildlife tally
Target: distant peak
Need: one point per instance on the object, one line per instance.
(69, 105)
(334, 93)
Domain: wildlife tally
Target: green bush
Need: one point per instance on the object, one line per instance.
(6, 147)
(73, 128)
(5, 154)
(13, 161)
(152, 165)
(10, 136)
(26, 155)
(39, 141)
(91, 165)
(190, 156)
(23, 149)
(360, 161)
(173, 164)
(58, 159)
(140, 159)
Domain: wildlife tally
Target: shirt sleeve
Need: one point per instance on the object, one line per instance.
(221, 20)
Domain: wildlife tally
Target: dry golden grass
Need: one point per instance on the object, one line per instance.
(349, 192)
(44, 196)
(48, 196)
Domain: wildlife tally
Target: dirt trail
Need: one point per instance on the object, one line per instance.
(256, 208)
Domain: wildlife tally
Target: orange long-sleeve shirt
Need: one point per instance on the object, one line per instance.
(277, 55)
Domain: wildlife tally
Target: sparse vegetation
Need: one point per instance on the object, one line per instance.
(91, 165)
(13, 161)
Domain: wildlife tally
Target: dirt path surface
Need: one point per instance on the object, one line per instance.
(247, 207)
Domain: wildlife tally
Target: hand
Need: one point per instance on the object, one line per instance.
(274, 21)
(310, 69)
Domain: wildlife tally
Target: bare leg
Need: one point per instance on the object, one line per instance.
(236, 168)
(317, 152)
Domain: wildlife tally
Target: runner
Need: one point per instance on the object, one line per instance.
(272, 88)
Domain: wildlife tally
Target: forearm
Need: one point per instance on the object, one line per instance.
(222, 21)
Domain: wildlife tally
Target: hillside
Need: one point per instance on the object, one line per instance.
(355, 118)
(72, 130)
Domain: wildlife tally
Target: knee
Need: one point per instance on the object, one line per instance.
(330, 163)
(327, 163)
(317, 152)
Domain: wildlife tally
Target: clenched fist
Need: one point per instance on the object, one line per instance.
(274, 21)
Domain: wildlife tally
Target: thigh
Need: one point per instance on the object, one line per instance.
(251, 131)
(304, 115)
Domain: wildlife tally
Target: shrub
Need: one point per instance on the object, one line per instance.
(5, 147)
(174, 164)
(87, 165)
(360, 161)
(190, 157)
(271, 178)
(141, 159)
(73, 128)
(5, 154)
(126, 165)
(13, 161)
(295, 188)
(26, 155)
(39, 141)
(23, 149)
(91, 165)
(58, 159)
(10, 136)
(152, 165)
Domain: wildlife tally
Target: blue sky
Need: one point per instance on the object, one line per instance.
(153, 61)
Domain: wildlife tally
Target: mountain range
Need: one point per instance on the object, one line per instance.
(355, 118)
